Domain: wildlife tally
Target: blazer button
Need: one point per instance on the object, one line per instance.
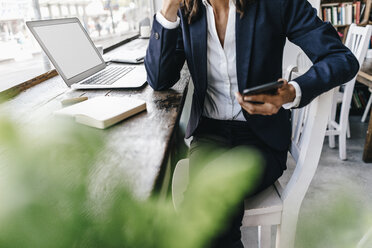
(156, 35)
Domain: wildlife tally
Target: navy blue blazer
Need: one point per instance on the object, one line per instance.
(260, 37)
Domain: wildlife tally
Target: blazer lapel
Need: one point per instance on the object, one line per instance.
(244, 31)
(198, 37)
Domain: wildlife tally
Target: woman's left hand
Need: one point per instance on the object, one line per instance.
(271, 103)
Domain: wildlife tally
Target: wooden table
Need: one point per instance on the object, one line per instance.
(140, 145)
(365, 77)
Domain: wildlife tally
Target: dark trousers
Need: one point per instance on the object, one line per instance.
(224, 135)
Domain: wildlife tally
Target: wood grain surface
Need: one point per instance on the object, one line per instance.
(9, 93)
(139, 146)
(365, 73)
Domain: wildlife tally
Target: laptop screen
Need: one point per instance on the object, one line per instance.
(69, 47)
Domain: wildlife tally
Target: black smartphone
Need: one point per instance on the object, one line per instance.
(268, 88)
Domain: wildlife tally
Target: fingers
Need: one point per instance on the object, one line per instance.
(284, 80)
(287, 92)
(239, 97)
(257, 98)
(284, 86)
(277, 99)
(270, 103)
(259, 109)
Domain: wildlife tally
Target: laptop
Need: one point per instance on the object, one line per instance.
(77, 60)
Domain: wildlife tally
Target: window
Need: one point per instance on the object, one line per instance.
(106, 21)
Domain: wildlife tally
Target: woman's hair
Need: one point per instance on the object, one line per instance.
(192, 8)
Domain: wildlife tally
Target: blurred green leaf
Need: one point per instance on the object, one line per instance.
(50, 197)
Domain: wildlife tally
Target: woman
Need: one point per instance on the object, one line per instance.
(230, 46)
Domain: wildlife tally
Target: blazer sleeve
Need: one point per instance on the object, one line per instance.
(165, 56)
(333, 63)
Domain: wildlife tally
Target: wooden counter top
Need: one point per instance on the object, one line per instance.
(139, 145)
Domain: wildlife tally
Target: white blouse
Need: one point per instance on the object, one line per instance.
(220, 102)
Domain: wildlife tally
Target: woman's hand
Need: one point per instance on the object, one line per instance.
(271, 103)
(170, 8)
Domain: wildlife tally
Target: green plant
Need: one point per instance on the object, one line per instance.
(49, 195)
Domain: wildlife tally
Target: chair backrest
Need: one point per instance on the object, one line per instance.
(309, 123)
(180, 181)
(357, 41)
(308, 131)
(303, 63)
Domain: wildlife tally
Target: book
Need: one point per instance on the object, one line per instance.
(357, 12)
(329, 14)
(362, 98)
(103, 111)
(357, 103)
(343, 13)
(133, 52)
(334, 15)
(349, 13)
(339, 16)
(325, 14)
(363, 7)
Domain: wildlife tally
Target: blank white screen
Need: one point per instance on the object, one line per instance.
(69, 47)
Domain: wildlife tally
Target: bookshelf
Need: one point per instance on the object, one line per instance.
(359, 99)
(342, 13)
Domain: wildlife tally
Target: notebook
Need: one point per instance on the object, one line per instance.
(133, 52)
(104, 111)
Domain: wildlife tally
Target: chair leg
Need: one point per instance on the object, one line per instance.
(264, 236)
(331, 140)
(250, 237)
(332, 117)
(368, 107)
(342, 145)
(286, 231)
(348, 135)
(344, 119)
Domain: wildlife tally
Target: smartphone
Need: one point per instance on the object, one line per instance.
(268, 88)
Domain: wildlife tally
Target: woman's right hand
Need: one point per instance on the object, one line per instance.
(170, 8)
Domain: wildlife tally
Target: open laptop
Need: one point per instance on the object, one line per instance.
(78, 61)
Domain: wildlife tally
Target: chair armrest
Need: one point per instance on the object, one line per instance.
(288, 72)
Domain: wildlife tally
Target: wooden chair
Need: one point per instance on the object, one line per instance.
(275, 205)
(357, 41)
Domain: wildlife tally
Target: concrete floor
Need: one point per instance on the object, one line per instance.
(334, 177)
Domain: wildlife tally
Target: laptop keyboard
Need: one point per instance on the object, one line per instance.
(109, 75)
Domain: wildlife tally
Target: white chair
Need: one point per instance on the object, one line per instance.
(186, 110)
(357, 41)
(275, 205)
(368, 106)
(303, 63)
